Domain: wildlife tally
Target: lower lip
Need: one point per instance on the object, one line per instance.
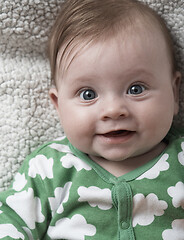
(116, 139)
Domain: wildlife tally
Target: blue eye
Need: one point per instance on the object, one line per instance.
(88, 95)
(136, 89)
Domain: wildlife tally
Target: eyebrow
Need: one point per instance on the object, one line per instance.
(82, 79)
(141, 72)
(131, 73)
(88, 78)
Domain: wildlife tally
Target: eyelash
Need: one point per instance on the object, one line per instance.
(94, 95)
(136, 93)
(88, 91)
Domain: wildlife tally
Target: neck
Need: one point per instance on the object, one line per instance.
(119, 168)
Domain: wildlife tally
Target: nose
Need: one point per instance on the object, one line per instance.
(114, 109)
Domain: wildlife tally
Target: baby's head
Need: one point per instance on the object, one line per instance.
(113, 66)
(81, 22)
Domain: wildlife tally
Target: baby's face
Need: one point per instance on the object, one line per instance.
(117, 98)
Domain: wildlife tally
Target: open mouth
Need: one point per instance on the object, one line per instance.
(116, 137)
(119, 133)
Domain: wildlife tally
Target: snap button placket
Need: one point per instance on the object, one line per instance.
(125, 225)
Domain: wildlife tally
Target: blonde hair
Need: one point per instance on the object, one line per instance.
(90, 20)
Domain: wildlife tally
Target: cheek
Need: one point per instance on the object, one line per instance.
(78, 132)
(158, 116)
(76, 122)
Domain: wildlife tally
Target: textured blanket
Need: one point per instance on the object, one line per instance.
(27, 118)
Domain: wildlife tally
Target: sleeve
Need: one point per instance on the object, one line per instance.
(24, 207)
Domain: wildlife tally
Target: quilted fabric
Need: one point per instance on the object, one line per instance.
(27, 118)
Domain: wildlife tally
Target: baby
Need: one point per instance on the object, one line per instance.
(118, 173)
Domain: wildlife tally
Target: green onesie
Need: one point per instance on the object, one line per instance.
(59, 193)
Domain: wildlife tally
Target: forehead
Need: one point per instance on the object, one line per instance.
(138, 33)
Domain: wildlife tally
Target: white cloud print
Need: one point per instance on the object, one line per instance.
(75, 228)
(61, 196)
(154, 172)
(177, 231)
(96, 197)
(27, 207)
(60, 147)
(8, 230)
(42, 166)
(146, 208)
(20, 182)
(181, 154)
(177, 194)
(69, 160)
(0, 207)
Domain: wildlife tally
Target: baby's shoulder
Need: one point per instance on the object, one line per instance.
(49, 161)
(49, 154)
(175, 140)
(176, 134)
(56, 148)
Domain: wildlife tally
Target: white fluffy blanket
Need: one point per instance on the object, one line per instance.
(27, 118)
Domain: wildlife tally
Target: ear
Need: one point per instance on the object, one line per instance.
(176, 87)
(53, 93)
